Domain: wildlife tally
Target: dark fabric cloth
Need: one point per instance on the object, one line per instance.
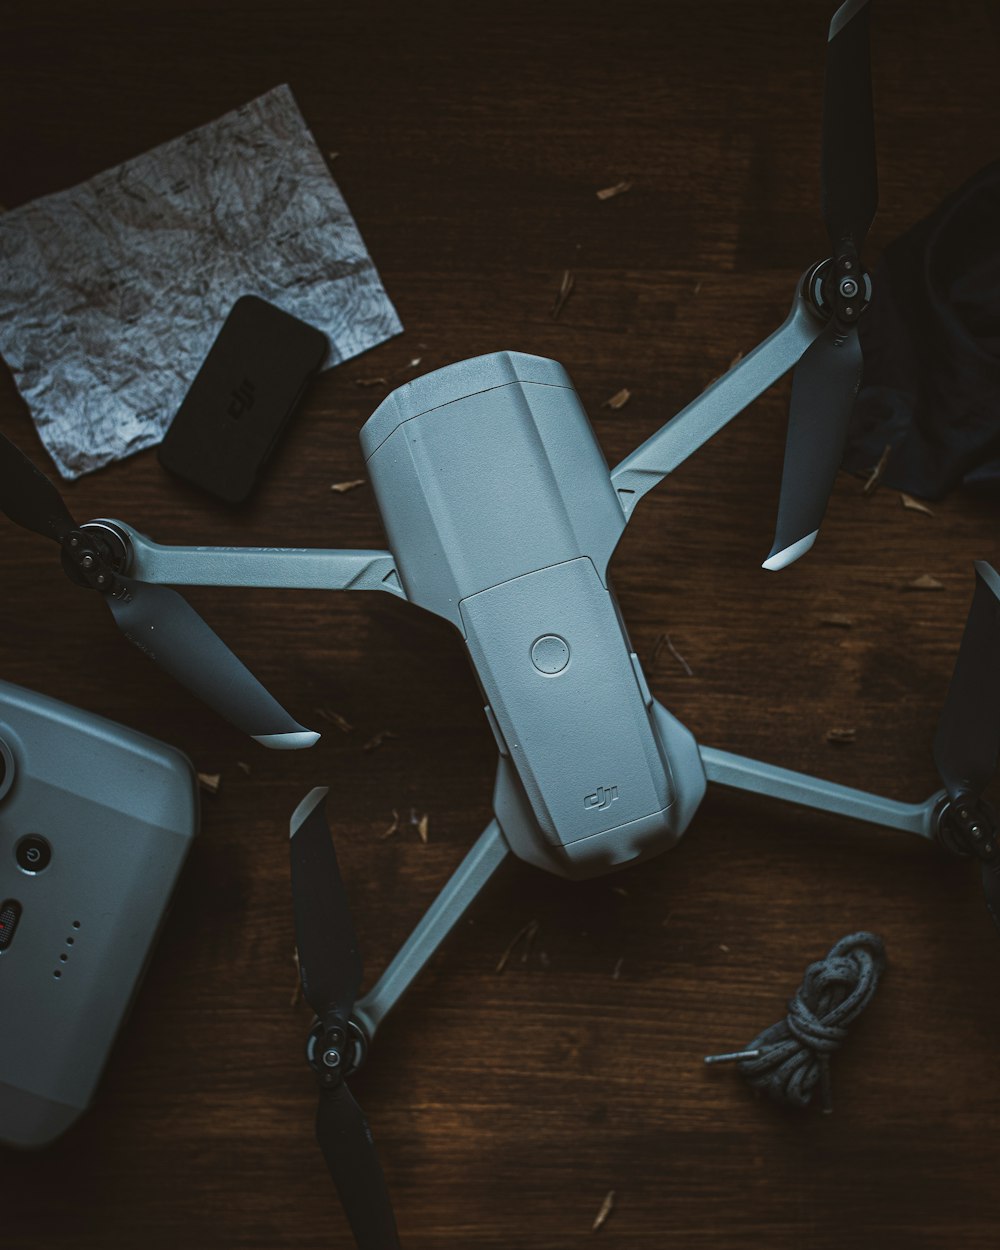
(931, 344)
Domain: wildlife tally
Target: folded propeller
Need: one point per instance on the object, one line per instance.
(967, 741)
(330, 971)
(828, 374)
(157, 619)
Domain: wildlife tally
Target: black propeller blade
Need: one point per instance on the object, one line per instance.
(29, 498)
(967, 741)
(330, 970)
(164, 626)
(849, 189)
(155, 618)
(828, 375)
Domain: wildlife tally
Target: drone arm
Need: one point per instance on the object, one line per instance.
(298, 568)
(781, 783)
(671, 445)
(479, 865)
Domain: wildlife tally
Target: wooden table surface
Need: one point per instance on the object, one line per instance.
(471, 140)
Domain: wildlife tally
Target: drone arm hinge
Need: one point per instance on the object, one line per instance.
(781, 783)
(716, 406)
(967, 826)
(485, 857)
(289, 568)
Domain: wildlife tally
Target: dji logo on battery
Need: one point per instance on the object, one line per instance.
(602, 797)
(241, 400)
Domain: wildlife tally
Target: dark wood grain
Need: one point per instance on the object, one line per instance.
(471, 140)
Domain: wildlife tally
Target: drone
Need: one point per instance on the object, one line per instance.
(501, 516)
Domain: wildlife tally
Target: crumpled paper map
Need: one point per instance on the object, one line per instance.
(112, 292)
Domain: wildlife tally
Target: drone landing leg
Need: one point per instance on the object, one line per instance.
(482, 861)
(286, 568)
(827, 796)
(671, 445)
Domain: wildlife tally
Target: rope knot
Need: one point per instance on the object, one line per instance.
(794, 1055)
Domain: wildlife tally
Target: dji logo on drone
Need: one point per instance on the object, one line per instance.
(602, 797)
(241, 400)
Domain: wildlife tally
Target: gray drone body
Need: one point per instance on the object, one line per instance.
(113, 812)
(499, 508)
(501, 516)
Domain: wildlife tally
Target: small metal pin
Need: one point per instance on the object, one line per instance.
(732, 1056)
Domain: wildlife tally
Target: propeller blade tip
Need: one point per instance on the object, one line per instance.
(296, 740)
(306, 808)
(988, 574)
(843, 15)
(788, 555)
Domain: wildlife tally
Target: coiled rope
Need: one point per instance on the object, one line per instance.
(791, 1059)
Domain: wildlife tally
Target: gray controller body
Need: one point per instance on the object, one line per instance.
(502, 517)
(117, 811)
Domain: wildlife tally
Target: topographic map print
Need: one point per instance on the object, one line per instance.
(112, 292)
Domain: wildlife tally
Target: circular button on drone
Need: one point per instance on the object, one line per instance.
(32, 853)
(550, 654)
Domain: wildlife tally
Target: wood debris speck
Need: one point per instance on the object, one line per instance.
(697, 287)
(914, 505)
(876, 474)
(210, 782)
(618, 400)
(841, 736)
(565, 291)
(527, 934)
(608, 193)
(297, 992)
(335, 718)
(393, 828)
(924, 582)
(663, 640)
(420, 823)
(244, 768)
(619, 889)
(341, 488)
(332, 156)
(371, 381)
(732, 364)
(724, 948)
(375, 742)
(837, 620)
(607, 1206)
(618, 969)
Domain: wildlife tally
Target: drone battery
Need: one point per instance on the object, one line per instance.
(246, 390)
